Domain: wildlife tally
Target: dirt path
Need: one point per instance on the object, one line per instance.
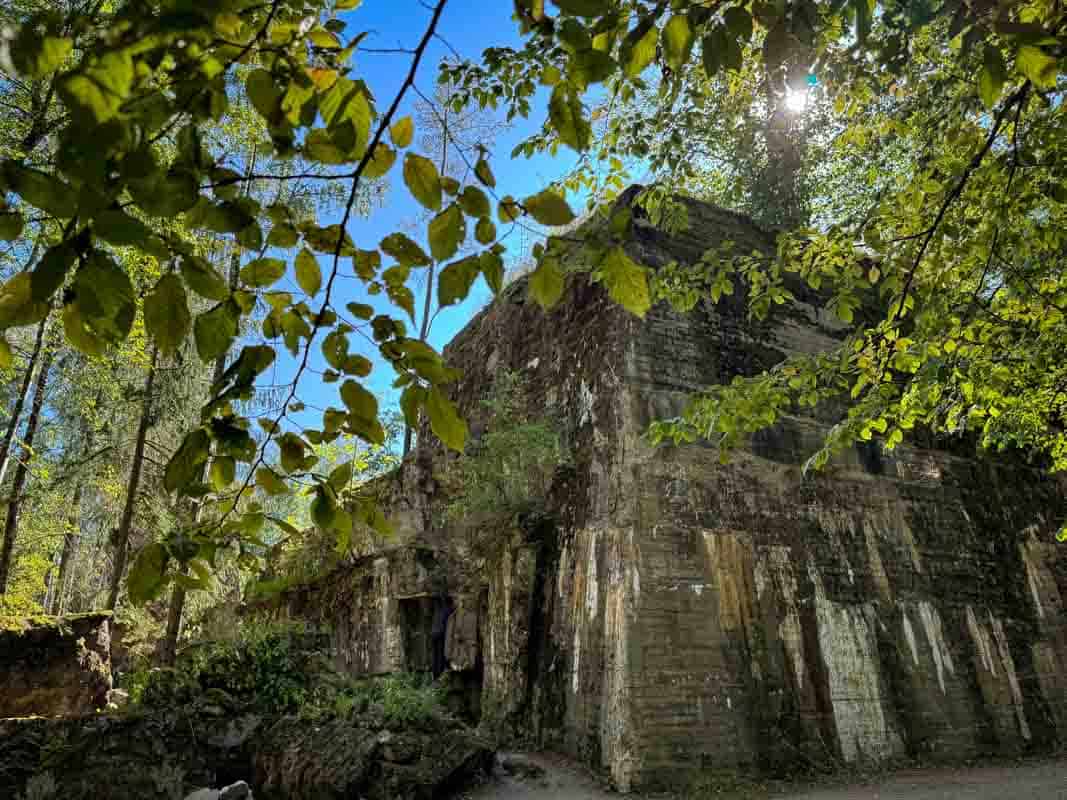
(548, 777)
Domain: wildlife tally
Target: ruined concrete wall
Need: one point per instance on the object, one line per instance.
(895, 604)
(682, 614)
(54, 666)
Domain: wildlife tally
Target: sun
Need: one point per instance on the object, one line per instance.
(796, 102)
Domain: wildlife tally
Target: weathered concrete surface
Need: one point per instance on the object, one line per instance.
(683, 614)
(52, 666)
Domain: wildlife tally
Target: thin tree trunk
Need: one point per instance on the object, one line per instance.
(169, 648)
(11, 524)
(122, 539)
(70, 545)
(16, 412)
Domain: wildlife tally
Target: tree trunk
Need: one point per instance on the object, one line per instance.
(66, 558)
(16, 412)
(122, 538)
(169, 647)
(11, 524)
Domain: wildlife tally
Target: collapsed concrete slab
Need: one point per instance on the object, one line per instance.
(672, 613)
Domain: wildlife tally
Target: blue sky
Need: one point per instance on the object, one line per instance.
(468, 27)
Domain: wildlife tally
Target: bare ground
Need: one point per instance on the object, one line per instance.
(549, 777)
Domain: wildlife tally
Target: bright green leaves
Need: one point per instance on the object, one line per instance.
(639, 47)
(446, 232)
(262, 272)
(474, 202)
(402, 132)
(269, 482)
(567, 115)
(223, 472)
(400, 247)
(42, 190)
(147, 576)
(262, 93)
(548, 208)
(455, 281)
(216, 329)
(96, 91)
(1037, 65)
(166, 313)
(48, 276)
(202, 278)
(184, 467)
(991, 77)
(584, 8)
(423, 181)
(362, 412)
(547, 283)
(11, 223)
(102, 307)
(17, 306)
(445, 422)
(308, 272)
(626, 281)
(35, 54)
(484, 173)
(677, 41)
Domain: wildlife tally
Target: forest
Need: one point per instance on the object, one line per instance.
(236, 235)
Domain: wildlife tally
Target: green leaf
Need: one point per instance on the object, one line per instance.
(147, 576)
(166, 313)
(584, 8)
(7, 358)
(546, 283)
(422, 180)
(203, 279)
(50, 272)
(677, 41)
(1037, 65)
(403, 249)
(444, 421)
(549, 208)
(493, 269)
(991, 77)
(474, 202)
(410, 401)
(35, 55)
(484, 173)
(17, 306)
(11, 225)
(223, 472)
(308, 272)
(215, 330)
(262, 93)
(323, 508)
(626, 281)
(591, 66)
(341, 476)
(566, 114)
(103, 297)
(446, 233)
(639, 48)
(402, 132)
(381, 162)
(269, 482)
(739, 22)
(363, 412)
(42, 190)
(283, 235)
(455, 281)
(118, 227)
(360, 310)
(184, 466)
(485, 231)
(262, 272)
(96, 92)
